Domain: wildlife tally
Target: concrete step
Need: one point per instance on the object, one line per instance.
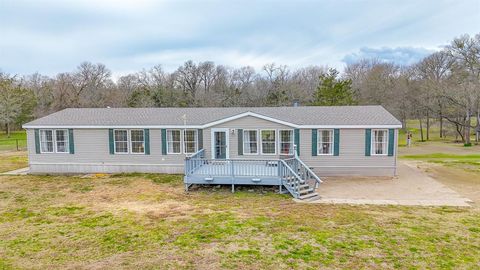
(306, 191)
(308, 196)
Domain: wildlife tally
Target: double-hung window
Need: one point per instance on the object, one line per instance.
(46, 141)
(190, 141)
(54, 141)
(174, 141)
(61, 141)
(137, 141)
(121, 141)
(268, 142)
(286, 142)
(379, 141)
(250, 142)
(325, 142)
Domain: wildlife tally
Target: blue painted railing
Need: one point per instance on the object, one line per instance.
(194, 161)
(291, 172)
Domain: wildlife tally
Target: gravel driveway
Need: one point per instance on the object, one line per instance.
(412, 186)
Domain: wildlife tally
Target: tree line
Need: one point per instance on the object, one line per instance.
(444, 86)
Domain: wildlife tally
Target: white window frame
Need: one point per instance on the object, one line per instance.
(275, 142)
(184, 142)
(373, 143)
(292, 142)
(53, 140)
(257, 141)
(181, 142)
(320, 142)
(130, 142)
(115, 142)
(67, 141)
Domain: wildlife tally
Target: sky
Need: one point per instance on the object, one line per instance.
(56, 36)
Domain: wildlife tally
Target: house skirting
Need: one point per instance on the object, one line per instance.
(81, 168)
(74, 168)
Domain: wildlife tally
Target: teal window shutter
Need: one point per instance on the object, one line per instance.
(164, 141)
(314, 142)
(391, 141)
(110, 141)
(71, 141)
(336, 142)
(297, 140)
(368, 141)
(240, 141)
(200, 138)
(146, 137)
(37, 141)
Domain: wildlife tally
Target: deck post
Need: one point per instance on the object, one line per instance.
(186, 187)
(280, 176)
(233, 175)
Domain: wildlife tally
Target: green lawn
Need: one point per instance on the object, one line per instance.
(148, 222)
(10, 143)
(469, 162)
(13, 160)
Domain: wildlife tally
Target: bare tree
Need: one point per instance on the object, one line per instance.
(465, 52)
(16, 102)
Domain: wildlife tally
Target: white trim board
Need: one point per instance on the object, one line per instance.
(104, 164)
(210, 124)
(227, 142)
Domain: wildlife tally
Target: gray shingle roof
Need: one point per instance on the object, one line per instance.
(308, 115)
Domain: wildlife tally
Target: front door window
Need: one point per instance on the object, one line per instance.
(220, 139)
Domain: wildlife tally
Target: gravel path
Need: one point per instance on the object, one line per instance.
(412, 186)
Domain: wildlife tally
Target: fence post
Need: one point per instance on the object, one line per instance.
(16, 140)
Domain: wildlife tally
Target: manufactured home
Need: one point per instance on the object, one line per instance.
(292, 147)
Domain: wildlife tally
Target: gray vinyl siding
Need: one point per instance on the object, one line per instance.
(351, 160)
(92, 153)
(247, 122)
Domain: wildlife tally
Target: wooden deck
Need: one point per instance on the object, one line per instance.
(236, 172)
(291, 173)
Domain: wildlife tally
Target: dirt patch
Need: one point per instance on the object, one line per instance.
(169, 209)
(463, 182)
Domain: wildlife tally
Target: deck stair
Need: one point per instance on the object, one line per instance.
(299, 179)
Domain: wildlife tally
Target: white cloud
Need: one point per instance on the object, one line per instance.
(399, 55)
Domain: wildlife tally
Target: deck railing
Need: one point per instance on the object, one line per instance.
(194, 161)
(291, 171)
(232, 167)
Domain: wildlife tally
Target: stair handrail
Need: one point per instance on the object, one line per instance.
(295, 156)
(294, 174)
(309, 170)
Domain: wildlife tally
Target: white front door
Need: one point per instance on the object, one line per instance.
(220, 143)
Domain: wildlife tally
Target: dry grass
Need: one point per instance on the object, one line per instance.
(13, 160)
(147, 221)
